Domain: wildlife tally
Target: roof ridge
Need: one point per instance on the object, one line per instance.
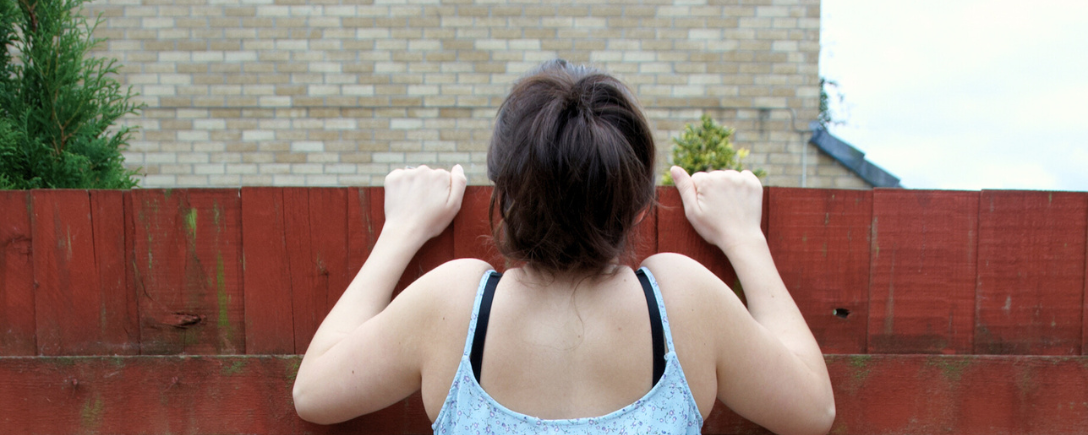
(852, 158)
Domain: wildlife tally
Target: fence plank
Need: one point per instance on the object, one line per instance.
(173, 394)
(318, 239)
(820, 243)
(472, 230)
(922, 284)
(17, 320)
(960, 394)
(268, 310)
(1031, 272)
(329, 230)
(308, 299)
(675, 234)
(78, 311)
(893, 211)
(644, 238)
(362, 234)
(187, 270)
(66, 296)
(328, 266)
(120, 334)
(878, 394)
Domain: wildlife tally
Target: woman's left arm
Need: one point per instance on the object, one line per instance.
(419, 204)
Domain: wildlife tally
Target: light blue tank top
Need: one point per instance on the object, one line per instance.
(669, 407)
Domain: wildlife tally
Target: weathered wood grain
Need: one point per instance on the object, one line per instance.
(820, 242)
(269, 311)
(170, 394)
(308, 296)
(922, 277)
(643, 240)
(329, 230)
(878, 394)
(118, 313)
(888, 394)
(1031, 272)
(66, 296)
(472, 229)
(362, 234)
(317, 226)
(82, 306)
(17, 323)
(187, 270)
(1034, 261)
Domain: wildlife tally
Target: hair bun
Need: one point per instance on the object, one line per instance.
(572, 159)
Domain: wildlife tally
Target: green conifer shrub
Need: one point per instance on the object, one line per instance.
(58, 104)
(706, 146)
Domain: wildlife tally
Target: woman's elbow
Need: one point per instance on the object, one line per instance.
(823, 416)
(826, 419)
(815, 422)
(305, 403)
(817, 418)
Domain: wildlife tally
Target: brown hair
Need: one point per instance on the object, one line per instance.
(572, 159)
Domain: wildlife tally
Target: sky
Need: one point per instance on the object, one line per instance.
(963, 94)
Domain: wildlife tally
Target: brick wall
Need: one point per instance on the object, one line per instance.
(337, 92)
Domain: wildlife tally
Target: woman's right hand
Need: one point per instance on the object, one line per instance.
(725, 207)
(421, 202)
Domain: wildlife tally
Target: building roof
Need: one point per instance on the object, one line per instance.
(852, 158)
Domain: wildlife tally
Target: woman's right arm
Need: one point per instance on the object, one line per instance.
(770, 368)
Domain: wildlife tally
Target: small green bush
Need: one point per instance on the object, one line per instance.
(706, 146)
(58, 105)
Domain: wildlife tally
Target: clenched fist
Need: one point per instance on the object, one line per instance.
(725, 207)
(422, 201)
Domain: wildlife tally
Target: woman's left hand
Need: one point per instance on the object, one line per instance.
(421, 202)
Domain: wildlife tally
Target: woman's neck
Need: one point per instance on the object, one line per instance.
(537, 278)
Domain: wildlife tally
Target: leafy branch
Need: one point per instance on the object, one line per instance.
(706, 146)
(58, 104)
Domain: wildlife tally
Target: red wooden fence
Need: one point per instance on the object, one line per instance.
(181, 311)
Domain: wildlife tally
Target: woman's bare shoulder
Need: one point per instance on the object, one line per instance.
(439, 303)
(700, 309)
(681, 276)
(451, 282)
(459, 269)
(443, 294)
(669, 260)
(446, 291)
(692, 292)
(446, 295)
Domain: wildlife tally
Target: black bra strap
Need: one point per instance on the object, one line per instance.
(656, 329)
(476, 355)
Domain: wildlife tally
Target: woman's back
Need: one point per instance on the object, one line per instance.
(557, 351)
(571, 375)
(571, 333)
(563, 349)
